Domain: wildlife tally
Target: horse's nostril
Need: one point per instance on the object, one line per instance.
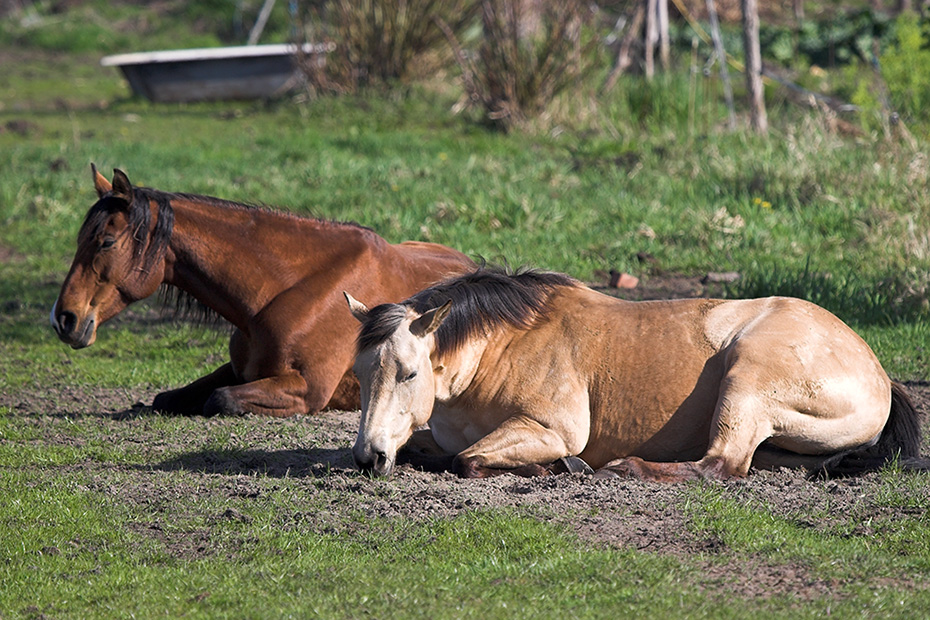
(67, 321)
(380, 460)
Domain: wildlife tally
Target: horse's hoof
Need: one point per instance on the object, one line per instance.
(166, 403)
(571, 465)
(606, 474)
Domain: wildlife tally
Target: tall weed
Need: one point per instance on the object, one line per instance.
(529, 53)
(377, 41)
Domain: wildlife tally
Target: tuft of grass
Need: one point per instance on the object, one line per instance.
(847, 294)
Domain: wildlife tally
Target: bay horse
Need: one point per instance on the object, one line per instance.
(532, 373)
(276, 277)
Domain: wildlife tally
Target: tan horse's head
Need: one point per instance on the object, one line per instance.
(397, 381)
(118, 260)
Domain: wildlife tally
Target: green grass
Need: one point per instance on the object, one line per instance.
(84, 553)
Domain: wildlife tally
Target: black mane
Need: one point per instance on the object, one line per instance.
(481, 300)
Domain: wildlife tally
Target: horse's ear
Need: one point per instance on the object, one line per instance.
(357, 308)
(429, 321)
(122, 188)
(100, 182)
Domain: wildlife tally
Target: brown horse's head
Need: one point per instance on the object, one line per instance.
(120, 259)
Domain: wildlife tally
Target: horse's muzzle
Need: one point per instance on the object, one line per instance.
(373, 461)
(76, 335)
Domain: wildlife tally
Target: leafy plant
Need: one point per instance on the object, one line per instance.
(905, 67)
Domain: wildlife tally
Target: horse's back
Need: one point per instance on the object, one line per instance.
(422, 263)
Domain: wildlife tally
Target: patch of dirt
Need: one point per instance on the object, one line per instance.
(313, 456)
(664, 286)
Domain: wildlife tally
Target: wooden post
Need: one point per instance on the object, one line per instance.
(757, 117)
(260, 22)
(624, 55)
(652, 36)
(664, 43)
(722, 61)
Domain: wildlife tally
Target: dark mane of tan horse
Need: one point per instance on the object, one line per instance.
(482, 300)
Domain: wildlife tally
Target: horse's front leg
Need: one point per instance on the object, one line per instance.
(281, 396)
(190, 399)
(520, 445)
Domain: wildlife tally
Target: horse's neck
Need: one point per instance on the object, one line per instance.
(460, 369)
(235, 260)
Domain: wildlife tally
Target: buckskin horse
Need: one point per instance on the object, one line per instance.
(532, 373)
(276, 277)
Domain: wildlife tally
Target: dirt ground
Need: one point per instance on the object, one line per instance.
(314, 454)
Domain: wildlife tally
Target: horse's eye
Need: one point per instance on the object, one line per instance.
(410, 376)
(107, 243)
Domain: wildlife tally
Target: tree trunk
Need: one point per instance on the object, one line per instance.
(758, 119)
(721, 55)
(664, 43)
(652, 37)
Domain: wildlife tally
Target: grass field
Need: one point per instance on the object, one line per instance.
(104, 514)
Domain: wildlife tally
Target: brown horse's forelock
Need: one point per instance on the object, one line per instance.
(145, 250)
(481, 301)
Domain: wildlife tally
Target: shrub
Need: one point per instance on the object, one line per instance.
(529, 53)
(377, 41)
(906, 68)
(900, 88)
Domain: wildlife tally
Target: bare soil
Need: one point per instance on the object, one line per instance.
(314, 454)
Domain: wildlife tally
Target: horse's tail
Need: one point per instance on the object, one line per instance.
(899, 441)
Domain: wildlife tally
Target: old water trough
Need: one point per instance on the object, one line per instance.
(216, 73)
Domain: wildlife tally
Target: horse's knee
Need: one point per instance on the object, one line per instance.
(223, 402)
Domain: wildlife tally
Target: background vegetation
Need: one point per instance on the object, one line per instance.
(828, 206)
